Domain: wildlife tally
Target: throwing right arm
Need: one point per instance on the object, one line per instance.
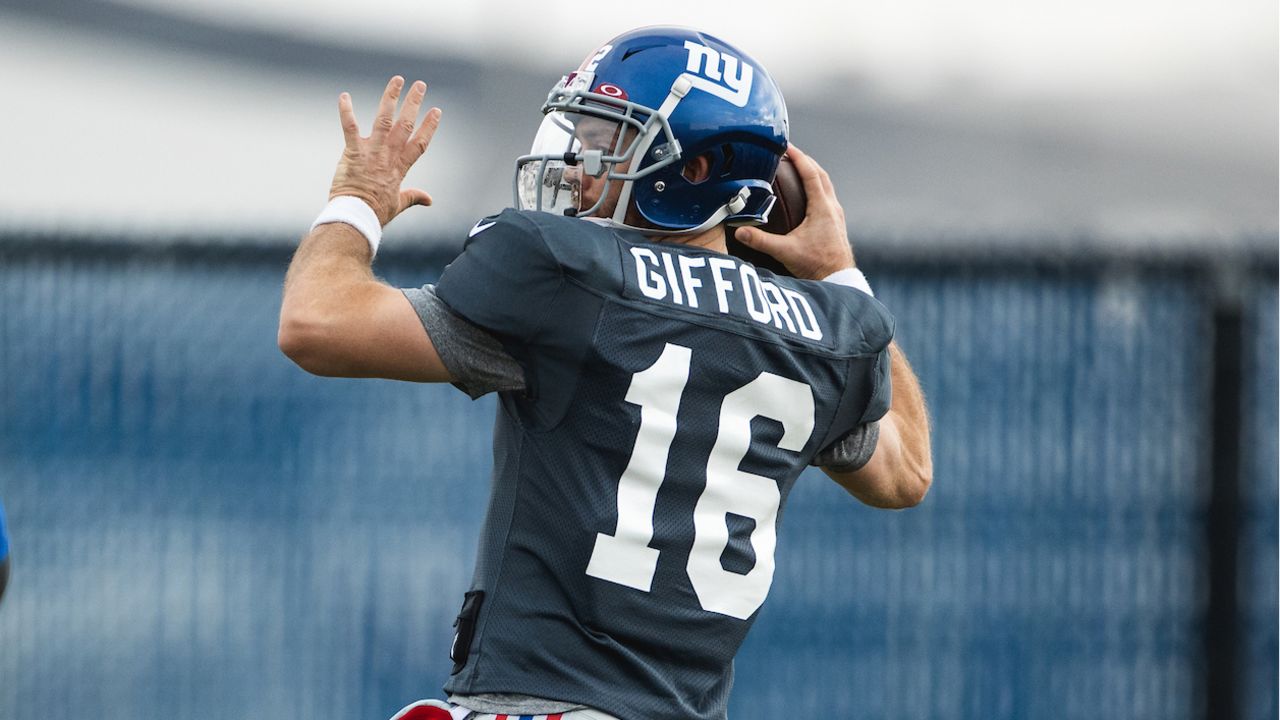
(901, 468)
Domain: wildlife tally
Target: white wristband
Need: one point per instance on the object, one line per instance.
(850, 277)
(356, 213)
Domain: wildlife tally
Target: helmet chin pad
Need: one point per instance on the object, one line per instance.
(755, 210)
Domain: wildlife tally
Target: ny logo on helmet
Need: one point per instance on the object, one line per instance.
(732, 83)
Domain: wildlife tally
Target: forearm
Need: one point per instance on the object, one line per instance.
(911, 417)
(330, 269)
(901, 469)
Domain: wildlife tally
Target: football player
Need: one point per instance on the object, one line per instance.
(657, 397)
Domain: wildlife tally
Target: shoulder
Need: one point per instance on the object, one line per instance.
(506, 248)
(543, 232)
(576, 248)
(861, 323)
(510, 231)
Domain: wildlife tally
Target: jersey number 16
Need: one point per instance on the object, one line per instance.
(625, 556)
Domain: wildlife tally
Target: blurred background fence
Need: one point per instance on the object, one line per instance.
(1071, 207)
(202, 531)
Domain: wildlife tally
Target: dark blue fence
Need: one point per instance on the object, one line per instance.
(202, 531)
(1260, 445)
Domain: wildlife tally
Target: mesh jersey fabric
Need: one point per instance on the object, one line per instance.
(479, 366)
(579, 309)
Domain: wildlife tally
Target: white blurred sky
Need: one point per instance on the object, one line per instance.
(908, 46)
(1129, 118)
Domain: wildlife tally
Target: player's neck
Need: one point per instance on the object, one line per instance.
(712, 239)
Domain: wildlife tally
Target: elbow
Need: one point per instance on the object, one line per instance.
(303, 340)
(915, 474)
(907, 489)
(913, 491)
(918, 477)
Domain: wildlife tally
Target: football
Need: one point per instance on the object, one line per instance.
(787, 213)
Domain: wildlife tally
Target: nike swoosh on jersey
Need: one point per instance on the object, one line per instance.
(481, 227)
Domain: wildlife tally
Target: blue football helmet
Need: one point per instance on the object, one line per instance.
(635, 112)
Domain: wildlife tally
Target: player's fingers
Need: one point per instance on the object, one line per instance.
(422, 137)
(809, 171)
(414, 196)
(757, 239)
(819, 191)
(385, 118)
(408, 117)
(826, 180)
(347, 116)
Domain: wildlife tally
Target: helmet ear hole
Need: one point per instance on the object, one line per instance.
(726, 166)
(698, 169)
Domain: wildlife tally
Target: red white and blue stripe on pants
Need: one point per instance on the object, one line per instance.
(438, 710)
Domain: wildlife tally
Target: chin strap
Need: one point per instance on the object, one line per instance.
(733, 207)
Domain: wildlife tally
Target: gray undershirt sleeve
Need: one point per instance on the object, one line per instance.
(852, 451)
(474, 358)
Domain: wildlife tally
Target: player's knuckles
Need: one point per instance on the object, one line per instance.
(414, 150)
(354, 158)
(807, 168)
(761, 240)
(381, 166)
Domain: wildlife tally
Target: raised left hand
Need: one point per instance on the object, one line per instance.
(373, 168)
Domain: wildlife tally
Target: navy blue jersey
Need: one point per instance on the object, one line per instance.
(673, 395)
